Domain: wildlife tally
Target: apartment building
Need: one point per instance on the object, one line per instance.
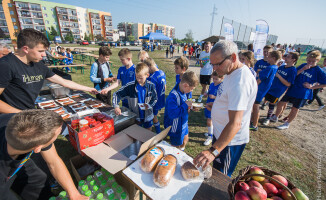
(42, 15)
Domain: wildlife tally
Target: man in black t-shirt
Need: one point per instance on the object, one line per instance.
(28, 132)
(22, 74)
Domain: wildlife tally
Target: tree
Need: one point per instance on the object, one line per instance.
(99, 37)
(189, 37)
(86, 37)
(131, 38)
(53, 31)
(69, 37)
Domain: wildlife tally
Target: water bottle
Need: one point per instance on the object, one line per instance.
(89, 194)
(105, 173)
(92, 183)
(104, 184)
(81, 184)
(124, 196)
(95, 189)
(119, 191)
(110, 179)
(100, 196)
(114, 186)
(98, 176)
(111, 197)
(108, 191)
(89, 179)
(84, 189)
(62, 195)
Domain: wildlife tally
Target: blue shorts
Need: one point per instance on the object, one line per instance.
(228, 158)
(177, 140)
(207, 113)
(145, 124)
(155, 111)
(297, 103)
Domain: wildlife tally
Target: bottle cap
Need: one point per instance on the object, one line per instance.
(114, 185)
(119, 189)
(95, 188)
(62, 194)
(99, 196)
(85, 188)
(111, 197)
(88, 193)
(89, 178)
(81, 183)
(123, 195)
(92, 182)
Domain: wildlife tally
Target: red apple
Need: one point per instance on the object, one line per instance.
(255, 183)
(299, 194)
(270, 189)
(257, 193)
(264, 181)
(286, 195)
(280, 192)
(241, 195)
(256, 170)
(241, 186)
(280, 179)
(276, 198)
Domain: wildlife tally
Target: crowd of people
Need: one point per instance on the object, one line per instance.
(235, 86)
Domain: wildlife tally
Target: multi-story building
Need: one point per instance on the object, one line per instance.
(125, 27)
(42, 15)
(137, 30)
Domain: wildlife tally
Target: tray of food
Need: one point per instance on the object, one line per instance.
(197, 105)
(77, 105)
(98, 105)
(75, 95)
(66, 101)
(47, 104)
(90, 101)
(80, 109)
(66, 116)
(60, 110)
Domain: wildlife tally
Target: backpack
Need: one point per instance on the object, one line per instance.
(100, 73)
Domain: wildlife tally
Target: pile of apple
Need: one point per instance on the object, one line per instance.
(260, 188)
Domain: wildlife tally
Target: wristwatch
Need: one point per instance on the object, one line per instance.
(214, 151)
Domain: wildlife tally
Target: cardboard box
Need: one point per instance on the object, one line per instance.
(91, 137)
(79, 161)
(110, 155)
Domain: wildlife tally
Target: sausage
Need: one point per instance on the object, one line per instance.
(151, 158)
(165, 170)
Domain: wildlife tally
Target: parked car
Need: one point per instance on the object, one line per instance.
(127, 43)
(103, 43)
(134, 43)
(91, 42)
(84, 43)
(65, 42)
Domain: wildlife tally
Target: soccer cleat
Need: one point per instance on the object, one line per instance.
(266, 122)
(208, 141)
(253, 128)
(283, 126)
(321, 107)
(200, 99)
(274, 118)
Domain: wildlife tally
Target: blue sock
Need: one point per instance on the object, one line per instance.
(157, 127)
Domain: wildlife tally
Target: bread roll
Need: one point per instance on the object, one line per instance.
(165, 170)
(151, 158)
(189, 171)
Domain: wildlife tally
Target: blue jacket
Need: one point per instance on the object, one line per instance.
(129, 92)
(176, 113)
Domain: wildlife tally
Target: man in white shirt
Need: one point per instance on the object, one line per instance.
(206, 69)
(231, 109)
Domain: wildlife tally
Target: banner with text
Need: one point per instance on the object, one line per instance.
(229, 31)
(262, 29)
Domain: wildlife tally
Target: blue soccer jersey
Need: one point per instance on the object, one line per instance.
(141, 92)
(278, 88)
(266, 76)
(311, 76)
(159, 80)
(261, 64)
(126, 75)
(212, 90)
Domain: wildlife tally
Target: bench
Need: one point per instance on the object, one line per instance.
(74, 66)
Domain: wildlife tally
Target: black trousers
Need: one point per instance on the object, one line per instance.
(29, 183)
(315, 96)
(105, 98)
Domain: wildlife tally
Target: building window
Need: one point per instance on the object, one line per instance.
(47, 22)
(44, 8)
(45, 15)
(11, 12)
(9, 5)
(15, 27)
(13, 19)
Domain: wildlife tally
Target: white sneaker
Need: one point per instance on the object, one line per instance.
(200, 99)
(206, 134)
(321, 107)
(208, 141)
(266, 122)
(274, 118)
(283, 126)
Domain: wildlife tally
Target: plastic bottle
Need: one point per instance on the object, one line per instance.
(108, 191)
(111, 179)
(98, 176)
(104, 184)
(111, 197)
(84, 189)
(124, 196)
(92, 183)
(89, 178)
(89, 194)
(100, 196)
(95, 189)
(119, 191)
(105, 173)
(81, 184)
(114, 186)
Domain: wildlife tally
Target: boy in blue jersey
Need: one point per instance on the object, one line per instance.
(126, 73)
(140, 95)
(180, 67)
(159, 79)
(263, 63)
(308, 75)
(266, 77)
(101, 74)
(176, 110)
(284, 78)
(212, 92)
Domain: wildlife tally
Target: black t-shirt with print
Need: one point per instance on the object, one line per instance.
(22, 82)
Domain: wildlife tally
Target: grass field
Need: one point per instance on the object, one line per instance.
(268, 147)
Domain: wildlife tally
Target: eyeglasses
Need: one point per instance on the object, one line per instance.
(218, 64)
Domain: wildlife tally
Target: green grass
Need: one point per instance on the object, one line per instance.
(268, 147)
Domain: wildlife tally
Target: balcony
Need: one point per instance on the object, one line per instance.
(62, 12)
(38, 22)
(73, 19)
(63, 18)
(5, 30)
(26, 22)
(108, 34)
(27, 26)
(37, 15)
(3, 24)
(36, 9)
(40, 28)
(2, 16)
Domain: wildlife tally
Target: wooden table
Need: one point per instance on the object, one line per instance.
(214, 188)
(76, 66)
(57, 58)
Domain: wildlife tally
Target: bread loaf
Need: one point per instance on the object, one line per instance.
(165, 170)
(151, 158)
(189, 171)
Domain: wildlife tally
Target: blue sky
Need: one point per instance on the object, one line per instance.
(289, 19)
